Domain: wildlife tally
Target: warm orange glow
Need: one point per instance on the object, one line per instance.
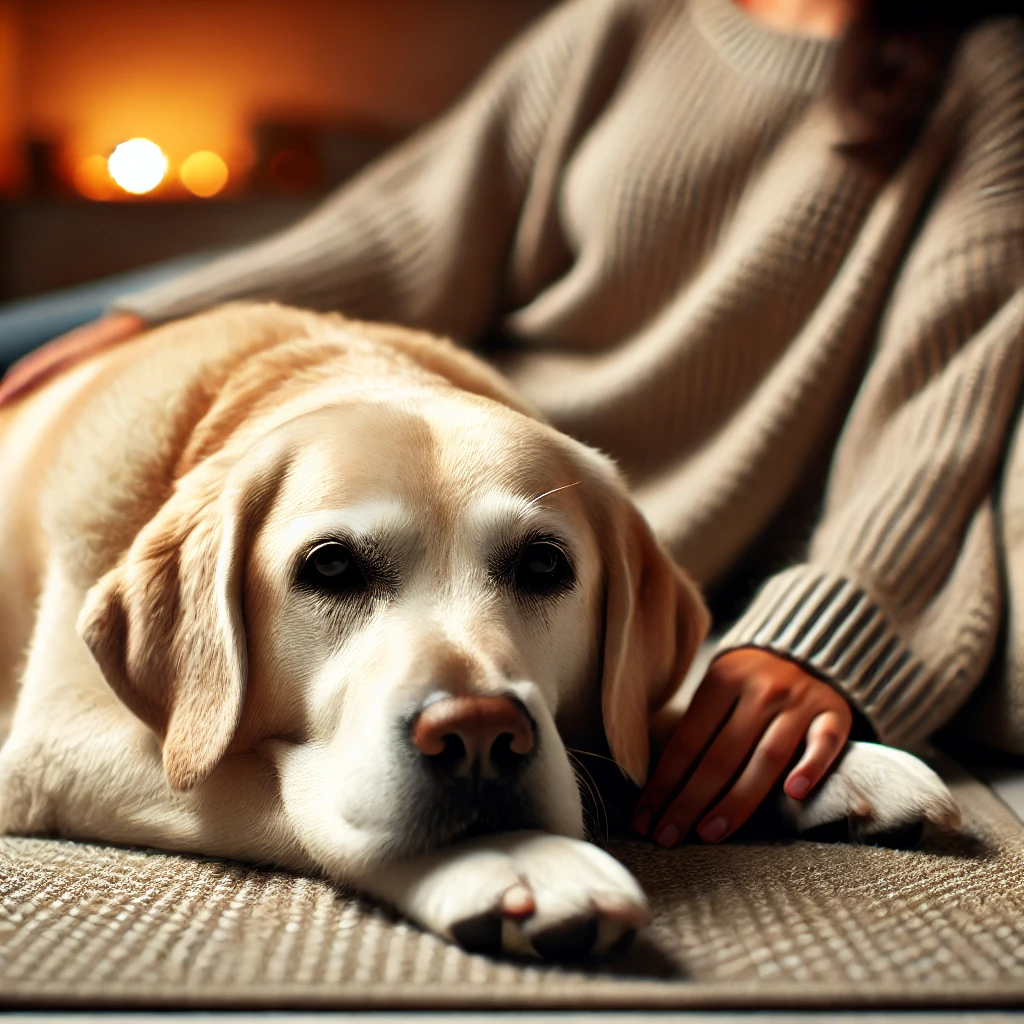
(91, 178)
(204, 174)
(138, 166)
(96, 72)
(12, 167)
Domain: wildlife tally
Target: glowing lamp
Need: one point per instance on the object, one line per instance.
(138, 166)
(91, 178)
(204, 174)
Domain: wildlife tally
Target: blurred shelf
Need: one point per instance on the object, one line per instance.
(47, 244)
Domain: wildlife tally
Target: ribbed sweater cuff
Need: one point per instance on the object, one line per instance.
(834, 628)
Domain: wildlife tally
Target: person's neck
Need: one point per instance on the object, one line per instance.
(824, 19)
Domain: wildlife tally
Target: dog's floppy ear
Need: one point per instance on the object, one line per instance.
(655, 620)
(165, 624)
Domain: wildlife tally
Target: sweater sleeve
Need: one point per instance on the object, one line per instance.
(422, 235)
(899, 601)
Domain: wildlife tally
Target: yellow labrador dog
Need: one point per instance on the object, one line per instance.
(322, 594)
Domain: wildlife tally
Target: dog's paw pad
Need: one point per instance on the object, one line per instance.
(901, 837)
(568, 940)
(480, 934)
(623, 942)
(858, 830)
(837, 831)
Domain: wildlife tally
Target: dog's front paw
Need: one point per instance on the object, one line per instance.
(529, 893)
(585, 902)
(875, 795)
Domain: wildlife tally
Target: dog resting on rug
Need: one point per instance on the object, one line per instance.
(325, 595)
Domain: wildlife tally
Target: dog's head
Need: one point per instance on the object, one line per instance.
(408, 607)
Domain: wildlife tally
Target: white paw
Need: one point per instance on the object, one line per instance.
(533, 894)
(880, 795)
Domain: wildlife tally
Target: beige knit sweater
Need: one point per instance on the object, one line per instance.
(641, 213)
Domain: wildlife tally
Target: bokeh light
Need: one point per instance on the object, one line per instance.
(91, 178)
(138, 166)
(204, 174)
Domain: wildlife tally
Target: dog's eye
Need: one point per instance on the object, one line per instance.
(332, 567)
(331, 560)
(542, 568)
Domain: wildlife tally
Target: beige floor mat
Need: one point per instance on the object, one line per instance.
(767, 925)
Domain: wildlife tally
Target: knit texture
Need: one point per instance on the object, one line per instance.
(643, 215)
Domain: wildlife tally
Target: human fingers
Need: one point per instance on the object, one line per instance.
(826, 736)
(710, 706)
(774, 751)
(723, 759)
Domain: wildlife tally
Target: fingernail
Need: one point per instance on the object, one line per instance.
(798, 787)
(668, 836)
(642, 822)
(713, 830)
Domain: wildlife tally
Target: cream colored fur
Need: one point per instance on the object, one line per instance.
(178, 690)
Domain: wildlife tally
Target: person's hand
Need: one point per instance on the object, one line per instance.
(752, 712)
(66, 350)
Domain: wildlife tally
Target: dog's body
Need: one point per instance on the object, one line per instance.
(255, 564)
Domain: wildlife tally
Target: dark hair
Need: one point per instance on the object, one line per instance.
(892, 64)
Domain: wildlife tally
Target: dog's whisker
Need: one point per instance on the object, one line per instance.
(591, 819)
(600, 809)
(540, 497)
(601, 757)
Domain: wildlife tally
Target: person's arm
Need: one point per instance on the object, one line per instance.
(422, 236)
(37, 367)
(899, 601)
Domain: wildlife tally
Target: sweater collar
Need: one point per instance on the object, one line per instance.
(799, 63)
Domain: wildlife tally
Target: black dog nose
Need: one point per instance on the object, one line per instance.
(477, 740)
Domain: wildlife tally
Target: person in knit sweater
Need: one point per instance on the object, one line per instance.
(756, 251)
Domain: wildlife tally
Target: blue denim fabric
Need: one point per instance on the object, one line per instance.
(29, 323)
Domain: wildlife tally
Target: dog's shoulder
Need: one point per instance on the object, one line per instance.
(122, 438)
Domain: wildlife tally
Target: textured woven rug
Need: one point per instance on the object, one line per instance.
(763, 925)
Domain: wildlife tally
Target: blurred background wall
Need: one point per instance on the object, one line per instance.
(270, 103)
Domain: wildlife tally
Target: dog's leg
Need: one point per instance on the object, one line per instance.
(80, 765)
(875, 795)
(528, 893)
